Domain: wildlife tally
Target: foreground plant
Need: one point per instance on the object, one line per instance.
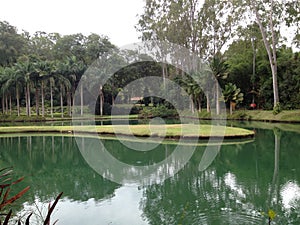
(6, 183)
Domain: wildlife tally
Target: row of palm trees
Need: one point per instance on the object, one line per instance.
(31, 75)
(42, 78)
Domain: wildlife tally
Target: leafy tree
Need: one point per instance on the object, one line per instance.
(70, 46)
(11, 44)
(40, 44)
(270, 17)
(96, 46)
(269, 45)
(288, 77)
(204, 28)
(241, 69)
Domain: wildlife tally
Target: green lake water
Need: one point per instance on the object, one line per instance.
(244, 181)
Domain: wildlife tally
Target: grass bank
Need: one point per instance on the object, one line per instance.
(287, 116)
(34, 118)
(161, 131)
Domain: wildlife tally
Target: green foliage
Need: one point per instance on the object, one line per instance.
(22, 118)
(240, 115)
(232, 94)
(277, 109)
(158, 111)
(11, 44)
(35, 67)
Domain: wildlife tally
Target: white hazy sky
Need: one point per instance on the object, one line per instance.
(113, 18)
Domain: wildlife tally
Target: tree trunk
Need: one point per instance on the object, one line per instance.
(164, 74)
(81, 100)
(101, 96)
(28, 99)
(43, 99)
(6, 104)
(217, 98)
(3, 105)
(51, 100)
(37, 101)
(253, 65)
(271, 54)
(112, 100)
(274, 73)
(199, 105)
(69, 103)
(61, 101)
(10, 104)
(207, 102)
(73, 98)
(18, 100)
(192, 107)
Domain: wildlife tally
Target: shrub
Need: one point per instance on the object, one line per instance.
(277, 109)
(158, 111)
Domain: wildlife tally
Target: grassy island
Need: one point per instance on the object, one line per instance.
(163, 131)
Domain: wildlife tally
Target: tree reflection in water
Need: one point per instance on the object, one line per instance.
(244, 181)
(239, 187)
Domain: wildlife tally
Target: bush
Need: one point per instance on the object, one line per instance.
(159, 111)
(277, 109)
(119, 109)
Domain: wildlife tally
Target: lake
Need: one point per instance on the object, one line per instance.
(245, 179)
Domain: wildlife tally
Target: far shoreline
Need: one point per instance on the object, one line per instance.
(286, 116)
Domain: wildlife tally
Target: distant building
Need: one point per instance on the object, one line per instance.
(135, 99)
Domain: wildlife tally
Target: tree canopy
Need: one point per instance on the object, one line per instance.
(242, 41)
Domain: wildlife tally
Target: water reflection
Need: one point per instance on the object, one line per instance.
(290, 195)
(121, 208)
(243, 182)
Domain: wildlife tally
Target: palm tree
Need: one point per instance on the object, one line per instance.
(26, 69)
(13, 81)
(78, 68)
(219, 69)
(3, 79)
(10, 82)
(19, 81)
(72, 69)
(69, 69)
(232, 95)
(60, 77)
(51, 83)
(193, 90)
(38, 75)
(44, 69)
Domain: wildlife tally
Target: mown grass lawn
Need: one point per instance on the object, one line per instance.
(171, 131)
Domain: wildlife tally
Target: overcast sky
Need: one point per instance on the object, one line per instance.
(113, 18)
